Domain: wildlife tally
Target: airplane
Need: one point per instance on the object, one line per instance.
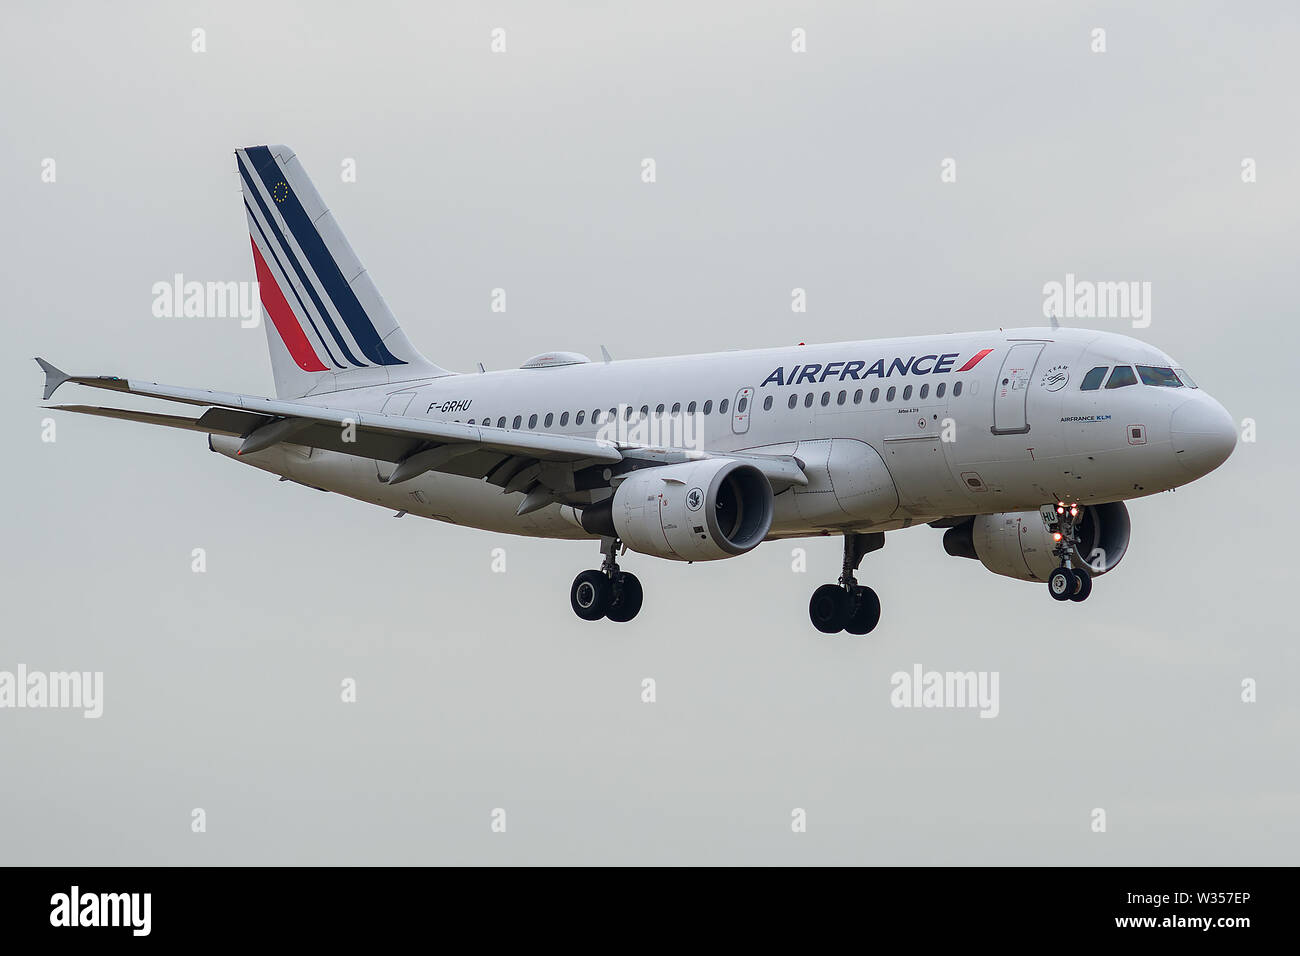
(1022, 444)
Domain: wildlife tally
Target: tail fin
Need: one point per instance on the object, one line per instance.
(328, 327)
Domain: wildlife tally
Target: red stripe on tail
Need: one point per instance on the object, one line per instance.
(286, 323)
(975, 361)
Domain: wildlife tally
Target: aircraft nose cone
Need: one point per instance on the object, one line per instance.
(1203, 435)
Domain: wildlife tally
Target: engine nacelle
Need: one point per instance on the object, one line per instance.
(1019, 545)
(692, 511)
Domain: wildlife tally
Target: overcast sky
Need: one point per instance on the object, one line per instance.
(522, 170)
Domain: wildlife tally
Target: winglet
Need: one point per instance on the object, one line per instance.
(53, 377)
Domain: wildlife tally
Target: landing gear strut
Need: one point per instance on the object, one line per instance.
(1066, 583)
(848, 606)
(607, 592)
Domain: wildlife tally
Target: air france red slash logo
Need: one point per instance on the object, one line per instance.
(814, 373)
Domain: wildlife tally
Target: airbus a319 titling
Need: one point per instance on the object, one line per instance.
(1024, 444)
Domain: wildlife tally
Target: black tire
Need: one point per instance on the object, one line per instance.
(1083, 585)
(830, 608)
(589, 595)
(1060, 584)
(625, 599)
(866, 611)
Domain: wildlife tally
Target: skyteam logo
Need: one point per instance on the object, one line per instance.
(856, 369)
(1055, 378)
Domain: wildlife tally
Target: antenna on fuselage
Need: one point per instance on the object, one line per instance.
(1056, 324)
(604, 353)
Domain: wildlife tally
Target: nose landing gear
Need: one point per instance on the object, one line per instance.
(607, 592)
(1066, 583)
(848, 606)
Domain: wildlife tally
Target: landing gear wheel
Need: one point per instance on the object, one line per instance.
(1060, 584)
(866, 611)
(625, 597)
(830, 608)
(590, 595)
(1082, 585)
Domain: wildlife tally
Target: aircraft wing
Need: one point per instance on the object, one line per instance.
(515, 460)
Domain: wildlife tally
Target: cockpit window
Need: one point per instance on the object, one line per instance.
(1092, 381)
(1123, 375)
(1154, 375)
(1184, 377)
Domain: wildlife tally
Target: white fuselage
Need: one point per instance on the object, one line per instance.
(883, 445)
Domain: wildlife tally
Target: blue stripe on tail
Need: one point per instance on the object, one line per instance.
(322, 262)
(302, 276)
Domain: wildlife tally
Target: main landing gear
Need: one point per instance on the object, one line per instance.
(1066, 583)
(848, 606)
(607, 592)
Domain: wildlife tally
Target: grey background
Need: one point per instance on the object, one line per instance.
(480, 690)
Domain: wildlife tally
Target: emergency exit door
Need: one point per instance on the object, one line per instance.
(741, 411)
(1011, 391)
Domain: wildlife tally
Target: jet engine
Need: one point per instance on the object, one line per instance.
(692, 511)
(1019, 544)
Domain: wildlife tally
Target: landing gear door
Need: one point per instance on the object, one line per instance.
(1011, 391)
(741, 409)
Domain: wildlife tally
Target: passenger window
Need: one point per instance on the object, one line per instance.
(794, 400)
(470, 422)
(612, 416)
(532, 421)
(956, 389)
(1184, 377)
(841, 397)
(875, 394)
(889, 395)
(645, 411)
(907, 393)
(708, 406)
(550, 417)
(519, 420)
(1122, 376)
(1092, 381)
(677, 407)
(690, 409)
(564, 419)
(577, 419)
(767, 403)
(659, 409)
(938, 391)
(501, 422)
(826, 399)
(925, 390)
(722, 406)
(627, 413)
(808, 400)
(744, 404)
(857, 397)
(1155, 375)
